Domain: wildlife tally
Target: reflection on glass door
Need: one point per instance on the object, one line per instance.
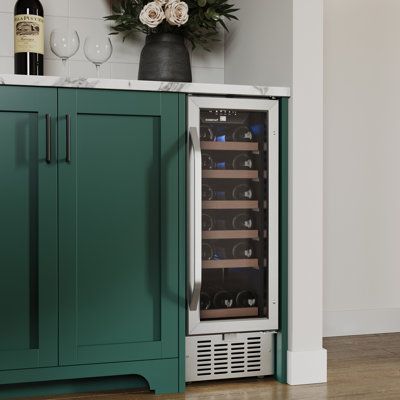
(234, 147)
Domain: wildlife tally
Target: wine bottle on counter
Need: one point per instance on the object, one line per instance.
(28, 37)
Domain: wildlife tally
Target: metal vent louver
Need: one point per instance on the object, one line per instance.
(229, 356)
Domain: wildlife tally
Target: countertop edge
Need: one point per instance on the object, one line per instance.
(152, 86)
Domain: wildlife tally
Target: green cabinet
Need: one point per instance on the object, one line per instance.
(90, 242)
(118, 201)
(28, 230)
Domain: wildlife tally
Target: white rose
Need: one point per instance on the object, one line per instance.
(176, 12)
(152, 14)
(160, 2)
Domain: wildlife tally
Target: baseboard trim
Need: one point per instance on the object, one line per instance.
(361, 322)
(307, 367)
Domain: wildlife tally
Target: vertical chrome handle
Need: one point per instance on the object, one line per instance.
(195, 230)
(48, 138)
(68, 138)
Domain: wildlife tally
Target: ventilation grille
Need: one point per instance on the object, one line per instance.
(229, 356)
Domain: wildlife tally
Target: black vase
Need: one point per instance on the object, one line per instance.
(165, 58)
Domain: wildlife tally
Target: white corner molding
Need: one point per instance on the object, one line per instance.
(306, 367)
(307, 360)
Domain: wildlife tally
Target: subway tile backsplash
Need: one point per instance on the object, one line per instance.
(86, 16)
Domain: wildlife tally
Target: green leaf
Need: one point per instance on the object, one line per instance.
(205, 17)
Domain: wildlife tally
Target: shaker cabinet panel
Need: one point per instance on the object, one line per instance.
(28, 228)
(118, 201)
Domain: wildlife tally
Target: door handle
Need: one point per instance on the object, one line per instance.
(68, 139)
(48, 138)
(194, 209)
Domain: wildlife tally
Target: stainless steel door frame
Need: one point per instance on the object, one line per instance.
(195, 326)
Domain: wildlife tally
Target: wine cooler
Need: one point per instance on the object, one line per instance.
(233, 237)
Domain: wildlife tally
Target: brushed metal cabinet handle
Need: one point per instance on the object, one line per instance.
(195, 229)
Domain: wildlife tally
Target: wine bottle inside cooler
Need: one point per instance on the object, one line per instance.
(223, 299)
(243, 250)
(207, 161)
(207, 251)
(214, 192)
(207, 222)
(242, 192)
(28, 37)
(227, 191)
(218, 161)
(223, 135)
(242, 133)
(243, 222)
(212, 251)
(206, 134)
(205, 300)
(227, 221)
(246, 298)
(243, 161)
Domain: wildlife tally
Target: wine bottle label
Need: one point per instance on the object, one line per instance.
(29, 34)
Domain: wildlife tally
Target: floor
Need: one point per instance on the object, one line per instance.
(359, 367)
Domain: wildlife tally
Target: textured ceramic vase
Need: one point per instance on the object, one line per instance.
(165, 58)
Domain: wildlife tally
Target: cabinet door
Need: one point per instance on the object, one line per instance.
(118, 226)
(28, 229)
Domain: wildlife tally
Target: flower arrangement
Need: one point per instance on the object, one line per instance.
(196, 20)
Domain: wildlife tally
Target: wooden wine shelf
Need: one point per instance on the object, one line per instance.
(237, 263)
(251, 234)
(229, 146)
(230, 174)
(230, 205)
(229, 313)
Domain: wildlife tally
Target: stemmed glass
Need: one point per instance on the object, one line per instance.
(64, 44)
(98, 50)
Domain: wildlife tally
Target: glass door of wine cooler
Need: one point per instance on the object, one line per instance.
(233, 215)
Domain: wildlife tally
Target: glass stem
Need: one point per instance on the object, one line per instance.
(98, 71)
(64, 63)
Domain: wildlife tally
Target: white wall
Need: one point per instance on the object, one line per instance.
(362, 164)
(258, 48)
(281, 42)
(86, 17)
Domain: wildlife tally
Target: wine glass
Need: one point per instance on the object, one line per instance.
(64, 44)
(98, 50)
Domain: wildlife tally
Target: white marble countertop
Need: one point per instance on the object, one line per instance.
(152, 86)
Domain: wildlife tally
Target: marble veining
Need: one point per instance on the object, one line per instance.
(153, 86)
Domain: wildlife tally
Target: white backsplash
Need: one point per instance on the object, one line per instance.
(85, 16)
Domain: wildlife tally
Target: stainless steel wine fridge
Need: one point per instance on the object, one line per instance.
(233, 183)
